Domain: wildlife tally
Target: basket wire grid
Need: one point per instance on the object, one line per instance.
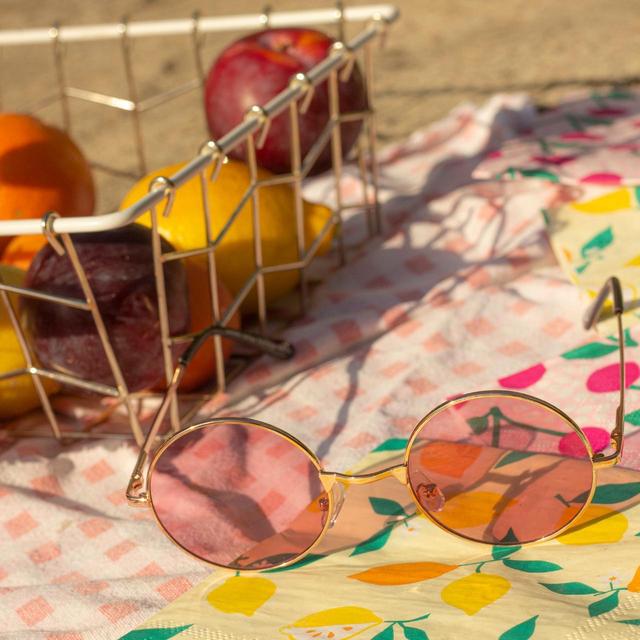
(59, 231)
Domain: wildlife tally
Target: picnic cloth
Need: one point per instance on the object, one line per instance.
(461, 292)
(592, 139)
(591, 146)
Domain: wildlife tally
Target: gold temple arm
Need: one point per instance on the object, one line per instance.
(611, 289)
(136, 491)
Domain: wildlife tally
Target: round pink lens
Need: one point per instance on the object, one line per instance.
(497, 469)
(238, 495)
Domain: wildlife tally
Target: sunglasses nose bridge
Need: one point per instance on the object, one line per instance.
(329, 479)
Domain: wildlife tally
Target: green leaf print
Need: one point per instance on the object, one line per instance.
(611, 493)
(628, 339)
(542, 174)
(635, 622)
(413, 633)
(531, 566)
(618, 93)
(312, 557)
(386, 507)
(599, 242)
(590, 351)
(571, 588)
(510, 536)
(385, 634)
(375, 542)
(502, 552)
(511, 457)
(605, 605)
(478, 425)
(522, 631)
(154, 634)
(579, 122)
(633, 418)
(393, 444)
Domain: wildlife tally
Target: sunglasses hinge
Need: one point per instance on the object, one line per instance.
(136, 497)
(140, 500)
(600, 461)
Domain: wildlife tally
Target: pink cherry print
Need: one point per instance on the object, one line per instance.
(554, 160)
(608, 378)
(523, 379)
(607, 111)
(580, 135)
(624, 146)
(601, 178)
(458, 405)
(571, 444)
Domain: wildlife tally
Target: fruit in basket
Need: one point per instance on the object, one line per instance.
(202, 368)
(184, 228)
(254, 69)
(119, 267)
(41, 169)
(17, 395)
(21, 250)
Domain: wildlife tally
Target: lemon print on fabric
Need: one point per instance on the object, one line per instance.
(597, 525)
(241, 595)
(340, 623)
(472, 593)
(185, 227)
(609, 203)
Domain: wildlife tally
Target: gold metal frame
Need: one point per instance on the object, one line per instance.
(139, 488)
(241, 422)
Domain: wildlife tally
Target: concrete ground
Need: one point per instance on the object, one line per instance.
(440, 53)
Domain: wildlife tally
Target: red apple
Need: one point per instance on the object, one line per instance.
(256, 68)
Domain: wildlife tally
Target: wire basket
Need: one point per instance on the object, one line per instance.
(60, 231)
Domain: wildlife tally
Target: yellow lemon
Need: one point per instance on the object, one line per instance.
(185, 227)
(340, 623)
(17, 395)
(241, 595)
(474, 592)
(608, 203)
(597, 525)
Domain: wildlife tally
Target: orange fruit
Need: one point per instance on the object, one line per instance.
(41, 169)
(185, 228)
(202, 367)
(20, 251)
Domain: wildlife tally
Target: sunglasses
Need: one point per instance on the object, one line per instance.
(495, 467)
